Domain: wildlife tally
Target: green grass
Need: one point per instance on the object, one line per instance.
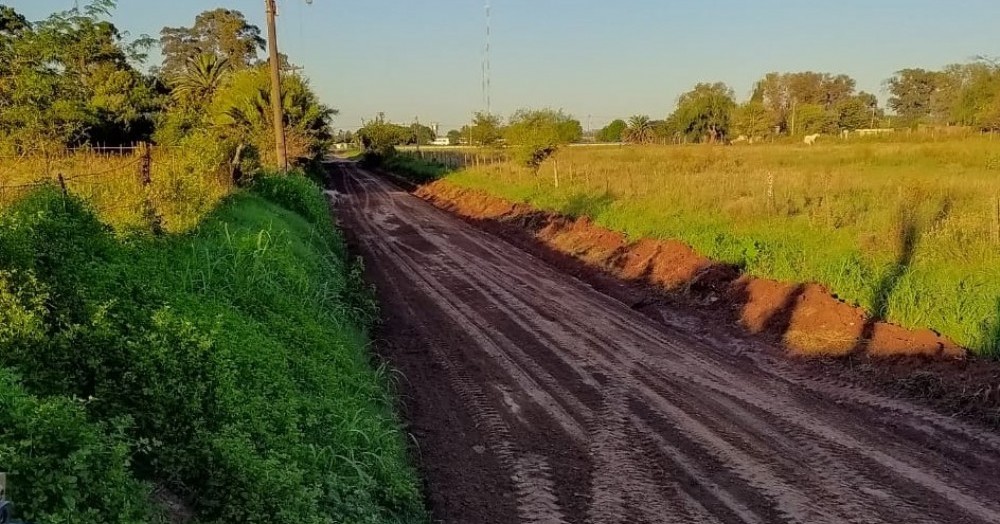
(414, 168)
(230, 365)
(837, 214)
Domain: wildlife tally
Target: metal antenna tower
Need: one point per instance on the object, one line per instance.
(486, 63)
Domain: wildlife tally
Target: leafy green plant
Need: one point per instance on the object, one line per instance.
(294, 192)
(228, 365)
(62, 467)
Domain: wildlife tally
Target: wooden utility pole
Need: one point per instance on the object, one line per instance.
(795, 104)
(276, 108)
(416, 133)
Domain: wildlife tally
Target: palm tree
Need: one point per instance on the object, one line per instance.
(639, 130)
(201, 77)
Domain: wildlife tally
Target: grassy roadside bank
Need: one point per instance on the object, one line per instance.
(228, 366)
(907, 231)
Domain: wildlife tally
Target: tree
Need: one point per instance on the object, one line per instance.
(224, 33)
(772, 92)
(975, 99)
(814, 118)
(12, 23)
(824, 89)
(781, 93)
(751, 119)
(69, 79)
(13, 27)
(639, 130)
(912, 91)
(704, 113)
(381, 137)
(241, 113)
(454, 137)
(199, 80)
(484, 131)
(663, 132)
(420, 134)
(537, 133)
(612, 132)
(945, 101)
(856, 112)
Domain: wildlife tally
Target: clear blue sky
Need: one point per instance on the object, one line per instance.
(605, 58)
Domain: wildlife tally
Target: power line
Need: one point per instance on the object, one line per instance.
(486, 63)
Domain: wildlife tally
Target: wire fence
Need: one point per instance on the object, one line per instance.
(459, 158)
(92, 165)
(134, 186)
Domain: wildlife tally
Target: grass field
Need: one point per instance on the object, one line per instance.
(228, 365)
(909, 231)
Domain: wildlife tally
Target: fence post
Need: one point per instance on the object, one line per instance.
(62, 184)
(996, 223)
(146, 165)
(235, 172)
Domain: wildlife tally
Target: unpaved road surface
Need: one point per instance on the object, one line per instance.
(534, 398)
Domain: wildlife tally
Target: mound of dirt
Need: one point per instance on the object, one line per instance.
(807, 318)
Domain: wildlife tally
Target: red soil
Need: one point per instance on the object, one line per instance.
(806, 317)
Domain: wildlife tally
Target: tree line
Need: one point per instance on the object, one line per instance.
(804, 103)
(793, 104)
(532, 134)
(781, 105)
(75, 78)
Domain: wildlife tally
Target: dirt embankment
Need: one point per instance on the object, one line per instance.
(807, 318)
(840, 340)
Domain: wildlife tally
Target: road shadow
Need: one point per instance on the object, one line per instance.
(908, 238)
(780, 319)
(589, 204)
(991, 336)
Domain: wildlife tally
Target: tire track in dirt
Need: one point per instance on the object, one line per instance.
(821, 457)
(620, 482)
(596, 413)
(533, 489)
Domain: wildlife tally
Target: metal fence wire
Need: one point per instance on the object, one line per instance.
(79, 170)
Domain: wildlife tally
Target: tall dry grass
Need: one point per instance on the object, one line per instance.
(184, 184)
(845, 214)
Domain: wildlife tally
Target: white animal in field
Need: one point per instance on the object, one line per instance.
(810, 139)
(737, 140)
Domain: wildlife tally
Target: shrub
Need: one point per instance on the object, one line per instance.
(228, 364)
(63, 468)
(416, 169)
(295, 192)
(191, 182)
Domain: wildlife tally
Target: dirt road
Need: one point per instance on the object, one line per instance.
(534, 398)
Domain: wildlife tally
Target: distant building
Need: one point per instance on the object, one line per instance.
(870, 132)
(441, 141)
